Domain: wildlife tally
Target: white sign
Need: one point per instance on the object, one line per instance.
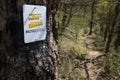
(34, 18)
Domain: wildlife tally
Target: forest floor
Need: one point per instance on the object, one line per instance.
(81, 55)
(97, 59)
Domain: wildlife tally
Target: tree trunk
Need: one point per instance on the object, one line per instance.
(117, 40)
(110, 36)
(106, 32)
(108, 23)
(92, 17)
(33, 61)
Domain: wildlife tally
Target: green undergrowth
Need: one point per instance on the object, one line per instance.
(72, 47)
(73, 39)
(112, 65)
(71, 51)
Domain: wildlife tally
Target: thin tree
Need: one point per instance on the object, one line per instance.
(92, 16)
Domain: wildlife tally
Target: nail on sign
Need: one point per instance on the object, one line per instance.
(34, 18)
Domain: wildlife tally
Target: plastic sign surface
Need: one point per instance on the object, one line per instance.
(34, 19)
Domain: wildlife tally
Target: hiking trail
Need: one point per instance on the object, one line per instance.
(97, 60)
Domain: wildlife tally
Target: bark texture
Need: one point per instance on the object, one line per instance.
(20, 61)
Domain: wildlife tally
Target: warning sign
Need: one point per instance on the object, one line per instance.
(34, 18)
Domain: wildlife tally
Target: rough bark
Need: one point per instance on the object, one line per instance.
(33, 61)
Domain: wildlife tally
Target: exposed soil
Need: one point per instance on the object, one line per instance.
(96, 64)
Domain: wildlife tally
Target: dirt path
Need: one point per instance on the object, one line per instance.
(94, 68)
